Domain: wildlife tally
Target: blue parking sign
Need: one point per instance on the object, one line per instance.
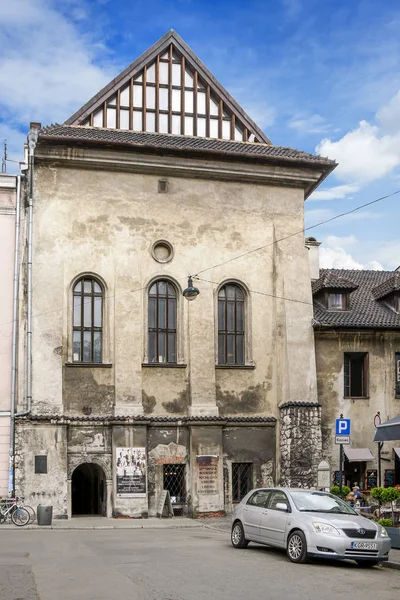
(342, 426)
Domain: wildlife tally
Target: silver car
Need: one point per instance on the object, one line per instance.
(308, 524)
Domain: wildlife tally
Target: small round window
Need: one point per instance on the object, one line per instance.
(162, 251)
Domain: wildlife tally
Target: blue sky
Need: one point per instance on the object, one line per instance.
(319, 76)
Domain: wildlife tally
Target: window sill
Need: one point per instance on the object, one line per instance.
(356, 397)
(165, 365)
(89, 365)
(243, 367)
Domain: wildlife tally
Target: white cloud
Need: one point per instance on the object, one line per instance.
(337, 192)
(363, 154)
(306, 124)
(47, 66)
(341, 241)
(338, 258)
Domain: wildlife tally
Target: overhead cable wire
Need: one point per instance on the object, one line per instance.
(301, 231)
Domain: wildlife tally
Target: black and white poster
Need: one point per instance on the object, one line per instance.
(131, 472)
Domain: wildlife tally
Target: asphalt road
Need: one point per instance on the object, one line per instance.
(173, 564)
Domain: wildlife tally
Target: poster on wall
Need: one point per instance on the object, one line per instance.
(131, 472)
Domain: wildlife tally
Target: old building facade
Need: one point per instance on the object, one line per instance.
(129, 388)
(9, 186)
(357, 343)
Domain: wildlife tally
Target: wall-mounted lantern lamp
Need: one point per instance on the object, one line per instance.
(191, 292)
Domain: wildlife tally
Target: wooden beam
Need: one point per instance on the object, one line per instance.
(117, 109)
(131, 104)
(220, 112)
(208, 96)
(195, 83)
(170, 89)
(104, 114)
(157, 92)
(245, 134)
(144, 99)
(91, 119)
(233, 127)
(183, 96)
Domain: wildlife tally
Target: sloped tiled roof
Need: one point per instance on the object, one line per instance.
(161, 141)
(148, 419)
(331, 281)
(387, 287)
(365, 311)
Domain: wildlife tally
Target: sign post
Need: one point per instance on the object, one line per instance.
(342, 436)
(377, 422)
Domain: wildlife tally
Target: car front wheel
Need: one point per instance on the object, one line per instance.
(297, 547)
(237, 536)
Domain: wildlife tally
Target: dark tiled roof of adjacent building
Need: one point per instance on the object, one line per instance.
(365, 311)
(332, 281)
(148, 419)
(169, 142)
(387, 287)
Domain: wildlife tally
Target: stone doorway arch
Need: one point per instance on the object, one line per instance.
(88, 490)
(95, 473)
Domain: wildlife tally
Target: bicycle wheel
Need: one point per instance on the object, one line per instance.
(32, 513)
(20, 516)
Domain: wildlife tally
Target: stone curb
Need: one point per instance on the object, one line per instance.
(97, 527)
(391, 565)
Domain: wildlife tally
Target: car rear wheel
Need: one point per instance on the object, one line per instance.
(237, 536)
(297, 547)
(367, 564)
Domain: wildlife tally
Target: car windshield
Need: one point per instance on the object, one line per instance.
(317, 502)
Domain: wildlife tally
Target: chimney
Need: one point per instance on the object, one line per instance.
(313, 257)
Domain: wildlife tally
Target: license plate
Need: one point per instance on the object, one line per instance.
(364, 545)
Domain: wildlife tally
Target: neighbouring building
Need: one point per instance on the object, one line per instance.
(133, 389)
(357, 344)
(8, 195)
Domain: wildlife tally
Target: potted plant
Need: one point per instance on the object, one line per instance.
(389, 494)
(335, 490)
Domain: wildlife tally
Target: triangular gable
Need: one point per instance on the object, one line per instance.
(169, 90)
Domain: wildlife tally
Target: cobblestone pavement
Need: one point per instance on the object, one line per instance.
(170, 564)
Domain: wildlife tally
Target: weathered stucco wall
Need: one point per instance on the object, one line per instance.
(103, 222)
(381, 347)
(166, 446)
(42, 488)
(254, 445)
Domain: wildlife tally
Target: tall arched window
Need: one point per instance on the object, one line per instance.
(162, 322)
(231, 327)
(88, 321)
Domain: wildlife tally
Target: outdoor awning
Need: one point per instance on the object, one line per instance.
(390, 430)
(359, 454)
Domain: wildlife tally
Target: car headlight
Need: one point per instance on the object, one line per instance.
(383, 532)
(325, 528)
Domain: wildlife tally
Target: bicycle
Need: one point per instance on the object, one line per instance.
(11, 508)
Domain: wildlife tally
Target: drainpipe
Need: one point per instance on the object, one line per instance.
(32, 140)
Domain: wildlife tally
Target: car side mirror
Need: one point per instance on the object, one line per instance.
(282, 506)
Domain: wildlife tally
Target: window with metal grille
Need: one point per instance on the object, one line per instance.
(397, 373)
(355, 374)
(231, 325)
(241, 480)
(162, 322)
(87, 321)
(174, 482)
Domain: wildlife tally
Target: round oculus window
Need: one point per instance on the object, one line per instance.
(162, 251)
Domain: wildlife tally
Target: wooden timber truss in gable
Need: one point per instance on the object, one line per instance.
(169, 90)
